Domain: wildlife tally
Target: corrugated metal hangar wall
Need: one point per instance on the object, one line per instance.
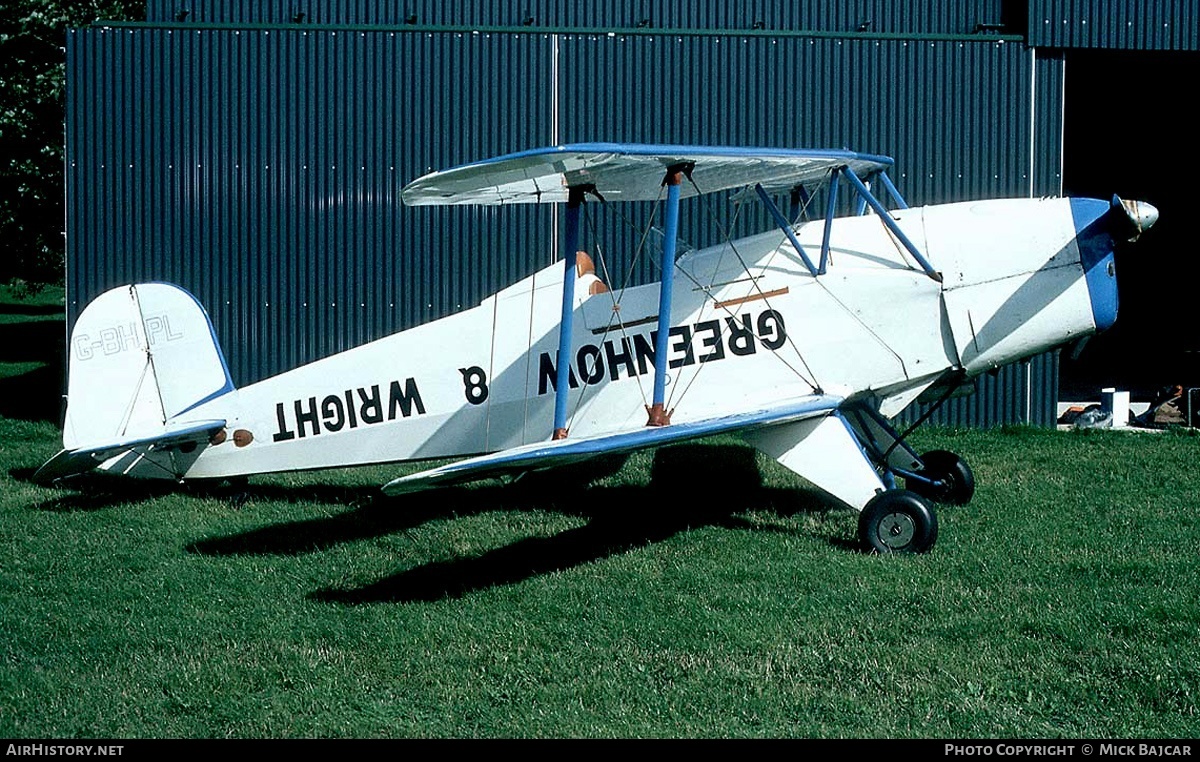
(253, 152)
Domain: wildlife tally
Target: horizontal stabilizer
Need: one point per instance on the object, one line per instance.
(188, 438)
(563, 452)
(629, 172)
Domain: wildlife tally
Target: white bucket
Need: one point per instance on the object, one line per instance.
(1116, 403)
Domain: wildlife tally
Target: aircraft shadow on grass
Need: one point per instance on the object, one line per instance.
(680, 496)
(620, 519)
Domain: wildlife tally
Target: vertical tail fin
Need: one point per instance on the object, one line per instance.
(140, 357)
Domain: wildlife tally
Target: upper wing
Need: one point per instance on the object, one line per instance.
(541, 455)
(628, 172)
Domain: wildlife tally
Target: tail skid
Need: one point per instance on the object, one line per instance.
(141, 359)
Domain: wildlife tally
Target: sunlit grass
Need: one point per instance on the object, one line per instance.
(724, 601)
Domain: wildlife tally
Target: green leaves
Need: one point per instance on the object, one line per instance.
(33, 91)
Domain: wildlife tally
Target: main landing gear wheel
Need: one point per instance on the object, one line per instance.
(897, 521)
(957, 481)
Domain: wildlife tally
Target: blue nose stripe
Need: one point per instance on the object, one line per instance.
(1096, 255)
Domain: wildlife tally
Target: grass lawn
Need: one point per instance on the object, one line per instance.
(718, 600)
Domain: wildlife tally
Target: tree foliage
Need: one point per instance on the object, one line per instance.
(32, 95)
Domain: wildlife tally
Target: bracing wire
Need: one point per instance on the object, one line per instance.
(726, 233)
(615, 295)
(804, 373)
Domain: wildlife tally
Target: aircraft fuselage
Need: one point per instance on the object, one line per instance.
(748, 322)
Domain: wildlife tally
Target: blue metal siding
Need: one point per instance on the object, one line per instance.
(880, 16)
(260, 168)
(1122, 24)
(955, 115)
(1048, 124)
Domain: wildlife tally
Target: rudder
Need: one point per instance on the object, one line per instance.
(140, 356)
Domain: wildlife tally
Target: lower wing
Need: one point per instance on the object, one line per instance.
(540, 455)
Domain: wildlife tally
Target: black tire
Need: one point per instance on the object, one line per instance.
(897, 521)
(958, 481)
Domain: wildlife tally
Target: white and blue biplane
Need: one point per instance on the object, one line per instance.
(806, 339)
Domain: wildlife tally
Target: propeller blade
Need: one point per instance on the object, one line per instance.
(1077, 348)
